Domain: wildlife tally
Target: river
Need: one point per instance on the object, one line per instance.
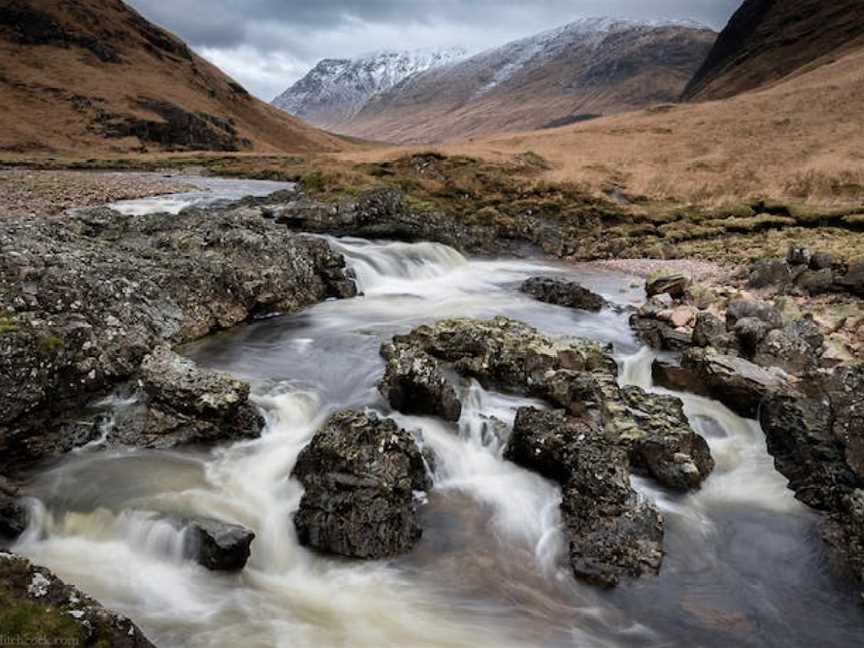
(744, 563)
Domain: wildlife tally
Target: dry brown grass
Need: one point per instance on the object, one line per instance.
(799, 140)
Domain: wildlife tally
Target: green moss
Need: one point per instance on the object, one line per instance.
(7, 325)
(50, 343)
(31, 621)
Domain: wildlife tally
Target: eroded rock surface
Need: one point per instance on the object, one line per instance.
(361, 473)
(414, 383)
(612, 532)
(84, 298)
(563, 293)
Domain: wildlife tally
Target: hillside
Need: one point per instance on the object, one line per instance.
(95, 75)
(767, 40)
(798, 140)
(591, 67)
(335, 90)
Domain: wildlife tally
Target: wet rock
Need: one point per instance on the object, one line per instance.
(183, 404)
(360, 473)
(806, 450)
(661, 441)
(677, 378)
(414, 383)
(796, 348)
(218, 546)
(563, 293)
(817, 442)
(844, 534)
(84, 298)
(503, 353)
(674, 284)
(577, 375)
(735, 382)
(612, 533)
(36, 598)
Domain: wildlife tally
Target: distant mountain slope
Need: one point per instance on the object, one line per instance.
(767, 40)
(592, 66)
(87, 75)
(335, 90)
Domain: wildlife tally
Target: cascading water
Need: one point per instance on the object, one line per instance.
(742, 566)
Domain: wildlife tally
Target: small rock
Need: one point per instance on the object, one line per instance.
(743, 308)
(798, 256)
(821, 261)
(414, 383)
(674, 284)
(218, 546)
(563, 293)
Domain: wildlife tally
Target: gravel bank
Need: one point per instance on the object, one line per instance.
(24, 193)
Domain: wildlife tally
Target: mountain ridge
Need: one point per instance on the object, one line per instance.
(589, 66)
(335, 90)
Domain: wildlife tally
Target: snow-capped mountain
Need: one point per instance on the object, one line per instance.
(335, 90)
(591, 66)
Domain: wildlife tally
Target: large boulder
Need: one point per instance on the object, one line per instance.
(35, 600)
(611, 531)
(216, 545)
(414, 383)
(735, 382)
(360, 474)
(710, 331)
(181, 403)
(853, 279)
(563, 293)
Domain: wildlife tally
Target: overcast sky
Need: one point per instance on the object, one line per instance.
(269, 44)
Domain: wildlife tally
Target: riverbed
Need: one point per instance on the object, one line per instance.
(744, 563)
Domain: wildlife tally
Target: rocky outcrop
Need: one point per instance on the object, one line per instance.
(663, 324)
(817, 442)
(587, 446)
(179, 404)
(85, 298)
(38, 605)
(216, 545)
(563, 293)
(384, 214)
(361, 474)
(612, 532)
(414, 383)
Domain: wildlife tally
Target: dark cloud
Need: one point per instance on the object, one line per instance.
(268, 44)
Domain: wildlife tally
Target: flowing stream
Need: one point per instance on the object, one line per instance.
(744, 564)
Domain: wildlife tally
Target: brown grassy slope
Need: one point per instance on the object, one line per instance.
(94, 75)
(627, 69)
(767, 40)
(802, 140)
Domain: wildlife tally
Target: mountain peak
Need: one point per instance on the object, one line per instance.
(337, 89)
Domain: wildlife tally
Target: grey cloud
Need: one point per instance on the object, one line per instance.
(257, 39)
